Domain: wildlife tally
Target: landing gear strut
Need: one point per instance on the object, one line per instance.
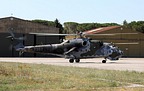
(76, 60)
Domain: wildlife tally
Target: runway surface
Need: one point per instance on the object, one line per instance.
(131, 64)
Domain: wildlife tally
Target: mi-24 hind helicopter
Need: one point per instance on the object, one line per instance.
(73, 49)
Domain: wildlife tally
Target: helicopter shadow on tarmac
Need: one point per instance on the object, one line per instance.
(108, 62)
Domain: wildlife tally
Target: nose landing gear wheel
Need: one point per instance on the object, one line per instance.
(103, 61)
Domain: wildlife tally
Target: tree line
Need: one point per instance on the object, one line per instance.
(55, 23)
(135, 25)
(73, 27)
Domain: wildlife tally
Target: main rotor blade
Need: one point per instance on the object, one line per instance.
(84, 33)
(52, 34)
(111, 34)
(132, 43)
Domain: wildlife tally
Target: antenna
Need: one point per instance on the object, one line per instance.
(11, 14)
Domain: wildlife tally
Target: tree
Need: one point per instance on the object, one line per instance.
(125, 23)
(70, 27)
(138, 26)
(58, 25)
(44, 22)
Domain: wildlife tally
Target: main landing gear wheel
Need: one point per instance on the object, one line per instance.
(103, 61)
(71, 60)
(77, 60)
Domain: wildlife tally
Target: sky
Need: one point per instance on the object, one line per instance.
(81, 11)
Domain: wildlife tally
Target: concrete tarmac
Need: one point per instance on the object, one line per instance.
(130, 64)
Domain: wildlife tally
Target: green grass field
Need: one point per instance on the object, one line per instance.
(40, 77)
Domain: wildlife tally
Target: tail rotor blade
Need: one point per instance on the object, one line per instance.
(11, 33)
(21, 38)
(10, 47)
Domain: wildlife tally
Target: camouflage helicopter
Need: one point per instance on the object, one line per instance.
(73, 49)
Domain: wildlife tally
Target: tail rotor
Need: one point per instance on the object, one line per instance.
(12, 36)
(17, 42)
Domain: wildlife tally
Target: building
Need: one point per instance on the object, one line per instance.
(21, 28)
(130, 42)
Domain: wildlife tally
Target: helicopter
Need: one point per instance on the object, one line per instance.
(72, 49)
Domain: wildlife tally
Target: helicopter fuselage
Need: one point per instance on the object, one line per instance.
(79, 48)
